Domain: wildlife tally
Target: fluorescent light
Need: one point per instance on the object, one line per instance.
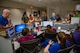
(39, 0)
(20, 0)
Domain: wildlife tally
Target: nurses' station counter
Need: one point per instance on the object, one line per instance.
(65, 26)
(75, 21)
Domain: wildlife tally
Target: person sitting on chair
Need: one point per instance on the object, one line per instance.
(26, 36)
(53, 47)
(76, 36)
(49, 29)
(68, 19)
(53, 17)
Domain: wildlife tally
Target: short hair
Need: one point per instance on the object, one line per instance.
(24, 13)
(49, 26)
(6, 10)
(25, 31)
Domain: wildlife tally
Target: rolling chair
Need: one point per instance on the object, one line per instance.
(77, 49)
(30, 46)
(66, 50)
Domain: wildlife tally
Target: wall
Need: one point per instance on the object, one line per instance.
(16, 15)
(12, 4)
(62, 8)
(16, 9)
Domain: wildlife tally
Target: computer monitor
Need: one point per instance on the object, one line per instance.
(10, 32)
(20, 27)
(45, 23)
(75, 20)
(38, 23)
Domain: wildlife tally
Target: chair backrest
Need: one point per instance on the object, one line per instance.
(77, 48)
(66, 50)
(51, 36)
(30, 46)
(70, 39)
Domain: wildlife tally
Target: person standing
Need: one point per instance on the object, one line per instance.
(25, 18)
(31, 22)
(4, 22)
(31, 19)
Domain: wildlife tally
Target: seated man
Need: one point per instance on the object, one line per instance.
(49, 29)
(48, 33)
(4, 22)
(53, 17)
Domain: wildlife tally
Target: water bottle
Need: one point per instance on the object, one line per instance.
(39, 28)
(54, 27)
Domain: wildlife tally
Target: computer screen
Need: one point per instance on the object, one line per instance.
(10, 32)
(45, 23)
(38, 23)
(20, 27)
(75, 20)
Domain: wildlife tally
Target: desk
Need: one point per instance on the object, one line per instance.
(65, 26)
(38, 33)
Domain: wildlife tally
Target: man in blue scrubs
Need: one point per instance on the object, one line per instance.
(4, 22)
(53, 18)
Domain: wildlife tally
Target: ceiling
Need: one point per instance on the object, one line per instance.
(44, 3)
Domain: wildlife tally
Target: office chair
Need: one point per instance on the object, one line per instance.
(66, 50)
(70, 39)
(76, 48)
(30, 46)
